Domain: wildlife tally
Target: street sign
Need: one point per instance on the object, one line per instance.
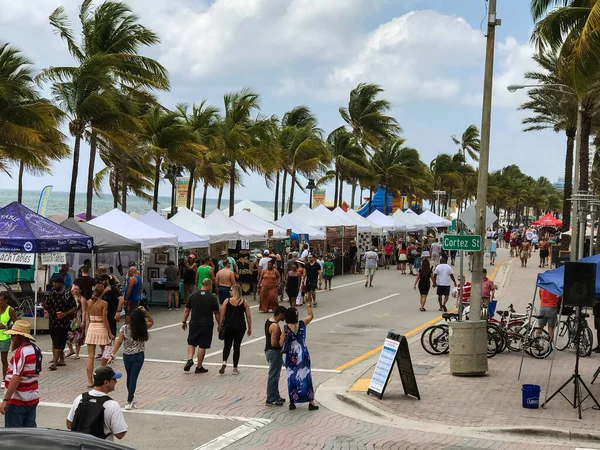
(467, 243)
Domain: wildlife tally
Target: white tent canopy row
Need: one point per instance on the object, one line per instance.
(408, 222)
(250, 220)
(364, 225)
(434, 220)
(385, 222)
(298, 226)
(186, 238)
(251, 207)
(317, 218)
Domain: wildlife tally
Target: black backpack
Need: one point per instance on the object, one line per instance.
(89, 416)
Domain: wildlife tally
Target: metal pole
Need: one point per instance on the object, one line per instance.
(484, 156)
(575, 230)
(460, 291)
(593, 210)
(582, 227)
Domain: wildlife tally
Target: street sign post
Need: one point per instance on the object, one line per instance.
(469, 243)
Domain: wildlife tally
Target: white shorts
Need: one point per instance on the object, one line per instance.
(369, 271)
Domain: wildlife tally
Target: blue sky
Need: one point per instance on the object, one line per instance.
(426, 54)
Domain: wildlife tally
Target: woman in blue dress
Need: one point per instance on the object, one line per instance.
(297, 359)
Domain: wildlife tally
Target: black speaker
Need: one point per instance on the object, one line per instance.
(579, 284)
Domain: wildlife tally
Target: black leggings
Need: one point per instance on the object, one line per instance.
(233, 337)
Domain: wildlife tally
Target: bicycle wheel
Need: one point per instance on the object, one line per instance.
(497, 331)
(515, 333)
(563, 338)
(432, 340)
(539, 346)
(586, 340)
(493, 344)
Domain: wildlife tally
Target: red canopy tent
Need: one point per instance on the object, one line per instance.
(548, 221)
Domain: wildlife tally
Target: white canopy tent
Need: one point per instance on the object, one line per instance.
(123, 224)
(362, 222)
(220, 221)
(248, 219)
(298, 226)
(407, 222)
(186, 238)
(197, 225)
(434, 220)
(250, 206)
(351, 221)
(316, 218)
(385, 222)
(166, 211)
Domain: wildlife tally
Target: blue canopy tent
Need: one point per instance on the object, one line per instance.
(23, 231)
(553, 280)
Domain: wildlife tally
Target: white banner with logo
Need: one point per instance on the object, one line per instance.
(53, 258)
(17, 258)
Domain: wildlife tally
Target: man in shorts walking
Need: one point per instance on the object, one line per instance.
(328, 268)
(371, 258)
(172, 285)
(442, 275)
(202, 305)
(436, 252)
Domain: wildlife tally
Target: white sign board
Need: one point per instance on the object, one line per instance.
(17, 258)
(468, 216)
(53, 258)
(384, 366)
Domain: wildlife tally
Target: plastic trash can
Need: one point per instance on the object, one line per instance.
(531, 396)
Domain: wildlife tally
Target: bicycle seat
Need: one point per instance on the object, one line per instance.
(518, 316)
(449, 316)
(503, 313)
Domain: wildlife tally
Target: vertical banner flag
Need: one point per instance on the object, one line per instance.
(182, 185)
(318, 197)
(44, 196)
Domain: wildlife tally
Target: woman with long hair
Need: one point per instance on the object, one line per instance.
(402, 257)
(76, 335)
(292, 284)
(235, 313)
(98, 330)
(133, 336)
(297, 359)
(424, 279)
(269, 285)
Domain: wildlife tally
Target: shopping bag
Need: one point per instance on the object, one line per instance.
(299, 299)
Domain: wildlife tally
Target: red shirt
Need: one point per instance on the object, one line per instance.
(466, 297)
(24, 363)
(388, 249)
(547, 298)
(487, 286)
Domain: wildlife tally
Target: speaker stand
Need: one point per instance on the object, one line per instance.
(576, 379)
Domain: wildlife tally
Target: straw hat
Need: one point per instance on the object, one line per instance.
(22, 328)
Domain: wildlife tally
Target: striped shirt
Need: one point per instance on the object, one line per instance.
(466, 297)
(24, 363)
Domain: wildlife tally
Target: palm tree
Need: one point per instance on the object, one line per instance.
(469, 143)
(366, 117)
(107, 55)
(29, 132)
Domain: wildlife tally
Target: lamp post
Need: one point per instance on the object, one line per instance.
(310, 186)
(575, 205)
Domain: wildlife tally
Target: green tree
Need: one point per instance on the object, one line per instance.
(469, 143)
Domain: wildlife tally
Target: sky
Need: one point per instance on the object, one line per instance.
(428, 56)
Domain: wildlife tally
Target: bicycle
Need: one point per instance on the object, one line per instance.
(533, 340)
(567, 330)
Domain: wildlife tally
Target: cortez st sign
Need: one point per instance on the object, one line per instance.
(462, 242)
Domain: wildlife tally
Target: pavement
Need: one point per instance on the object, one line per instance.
(212, 411)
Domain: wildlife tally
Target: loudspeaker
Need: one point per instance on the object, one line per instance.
(579, 284)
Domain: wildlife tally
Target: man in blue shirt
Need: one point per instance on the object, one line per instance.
(67, 279)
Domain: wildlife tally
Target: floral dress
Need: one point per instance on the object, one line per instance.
(297, 365)
(76, 332)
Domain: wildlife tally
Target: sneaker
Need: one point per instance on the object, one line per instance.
(168, 309)
(222, 369)
(235, 371)
(366, 283)
(275, 403)
(282, 400)
(201, 370)
(176, 309)
(444, 308)
(188, 365)
(312, 407)
(129, 406)
(292, 407)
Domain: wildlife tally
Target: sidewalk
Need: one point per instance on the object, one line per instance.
(489, 405)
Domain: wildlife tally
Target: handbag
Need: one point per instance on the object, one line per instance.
(224, 326)
(299, 299)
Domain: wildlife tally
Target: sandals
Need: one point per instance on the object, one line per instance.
(68, 355)
(52, 367)
(61, 365)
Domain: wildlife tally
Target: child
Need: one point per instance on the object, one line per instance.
(328, 272)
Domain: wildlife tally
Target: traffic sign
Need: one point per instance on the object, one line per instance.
(469, 243)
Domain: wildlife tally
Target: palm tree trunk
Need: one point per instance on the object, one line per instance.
(584, 156)
(90, 180)
(156, 184)
(194, 194)
(370, 199)
(124, 189)
(341, 192)
(190, 187)
(113, 183)
(74, 173)
(220, 196)
(20, 182)
(231, 188)
(291, 202)
(335, 194)
(283, 188)
(173, 202)
(204, 193)
(353, 195)
(276, 203)
(568, 188)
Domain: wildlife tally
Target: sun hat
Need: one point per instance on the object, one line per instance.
(224, 253)
(57, 278)
(22, 328)
(106, 373)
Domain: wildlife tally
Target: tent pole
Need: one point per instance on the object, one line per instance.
(529, 319)
(553, 353)
(35, 295)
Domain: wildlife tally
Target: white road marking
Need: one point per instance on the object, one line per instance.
(344, 311)
(234, 435)
(178, 324)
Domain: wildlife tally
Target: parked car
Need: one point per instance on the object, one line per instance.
(44, 439)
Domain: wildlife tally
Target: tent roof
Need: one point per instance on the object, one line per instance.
(362, 221)
(553, 280)
(104, 241)
(548, 221)
(197, 225)
(24, 231)
(434, 220)
(298, 226)
(408, 222)
(220, 221)
(348, 220)
(186, 238)
(248, 219)
(121, 223)
(61, 217)
(250, 206)
(317, 218)
(385, 222)
(167, 210)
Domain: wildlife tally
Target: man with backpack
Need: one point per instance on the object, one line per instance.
(21, 396)
(94, 412)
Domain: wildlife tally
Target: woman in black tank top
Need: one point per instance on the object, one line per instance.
(235, 313)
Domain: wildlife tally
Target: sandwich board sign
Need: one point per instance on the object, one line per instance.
(394, 352)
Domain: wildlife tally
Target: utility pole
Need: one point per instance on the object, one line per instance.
(469, 338)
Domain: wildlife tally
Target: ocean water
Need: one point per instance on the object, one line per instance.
(59, 202)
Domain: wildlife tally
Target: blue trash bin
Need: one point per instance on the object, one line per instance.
(531, 396)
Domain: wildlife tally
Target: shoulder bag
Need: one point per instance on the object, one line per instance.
(224, 326)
